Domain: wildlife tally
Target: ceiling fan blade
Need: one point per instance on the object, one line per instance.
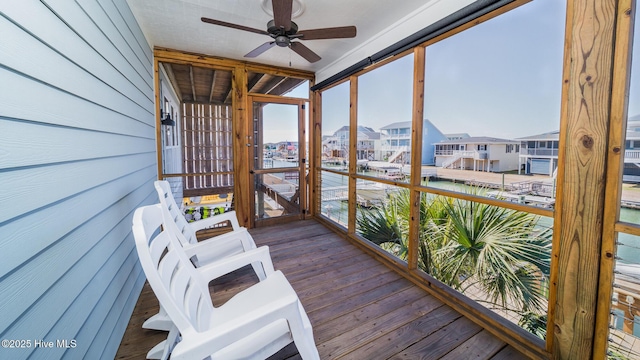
(328, 33)
(233, 26)
(260, 49)
(305, 52)
(282, 13)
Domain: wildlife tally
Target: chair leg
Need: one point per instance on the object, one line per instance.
(162, 350)
(172, 339)
(157, 351)
(159, 321)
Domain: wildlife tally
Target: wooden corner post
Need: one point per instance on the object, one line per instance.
(416, 154)
(586, 98)
(353, 147)
(242, 195)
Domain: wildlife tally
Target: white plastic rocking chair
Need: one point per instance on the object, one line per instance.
(233, 242)
(204, 252)
(254, 324)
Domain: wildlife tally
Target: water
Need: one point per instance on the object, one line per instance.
(628, 251)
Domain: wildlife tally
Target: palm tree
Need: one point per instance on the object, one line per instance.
(499, 250)
(469, 245)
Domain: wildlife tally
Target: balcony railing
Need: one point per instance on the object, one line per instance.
(474, 154)
(394, 148)
(396, 136)
(539, 152)
(629, 155)
(632, 155)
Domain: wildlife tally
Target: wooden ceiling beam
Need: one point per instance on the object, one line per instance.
(286, 86)
(213, 85)
(193, 84)
(227, 96)
(181, 57)
(274, 84)
(254, 81)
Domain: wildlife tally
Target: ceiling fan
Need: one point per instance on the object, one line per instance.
(283, 31)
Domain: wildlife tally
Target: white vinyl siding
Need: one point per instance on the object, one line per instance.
(77, 157)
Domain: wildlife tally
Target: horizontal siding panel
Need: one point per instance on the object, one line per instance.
(46, 271)
(125, 29)
(78, 156)
(104, 288)
(27, 236)
(34, 188)
(111, 279)
(76, 112)
(43, 24)
(116, 36)
(124, 276)
(70, 287)
(52, 68)
(106, 341)
(17, 147)
(79, 21)
(127, 15)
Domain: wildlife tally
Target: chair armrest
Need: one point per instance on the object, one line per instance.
(231, 263)
(256, 314)
(213, 244)
(210, 221)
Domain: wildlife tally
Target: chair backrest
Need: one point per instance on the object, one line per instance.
(166, 199)
(181, 291)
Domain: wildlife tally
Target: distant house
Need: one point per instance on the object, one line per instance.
(288, 147)
(337, 144)
(478, 153)
(396, 145)
(539, 154)
(632, 149)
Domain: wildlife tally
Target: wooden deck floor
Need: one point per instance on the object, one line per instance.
(359, 308)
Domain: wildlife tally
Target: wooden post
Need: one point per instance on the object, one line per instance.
(256, 119)
(242, 195)
(582, 168)
(615, 166)
(302, 155)
(315, 152)
(353, 147)
(416, 154)
(156, 85)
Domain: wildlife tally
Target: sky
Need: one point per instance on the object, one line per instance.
(501, 78)
(280, 123)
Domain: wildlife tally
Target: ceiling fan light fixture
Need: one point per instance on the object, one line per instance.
(282, 41)
(298, 8)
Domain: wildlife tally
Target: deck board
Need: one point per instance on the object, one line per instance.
(359, 308)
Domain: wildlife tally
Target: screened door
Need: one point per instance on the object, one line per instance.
(278, 156)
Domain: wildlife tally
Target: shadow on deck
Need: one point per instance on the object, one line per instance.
(359, 308)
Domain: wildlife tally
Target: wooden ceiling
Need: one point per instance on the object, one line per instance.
(209, 86)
